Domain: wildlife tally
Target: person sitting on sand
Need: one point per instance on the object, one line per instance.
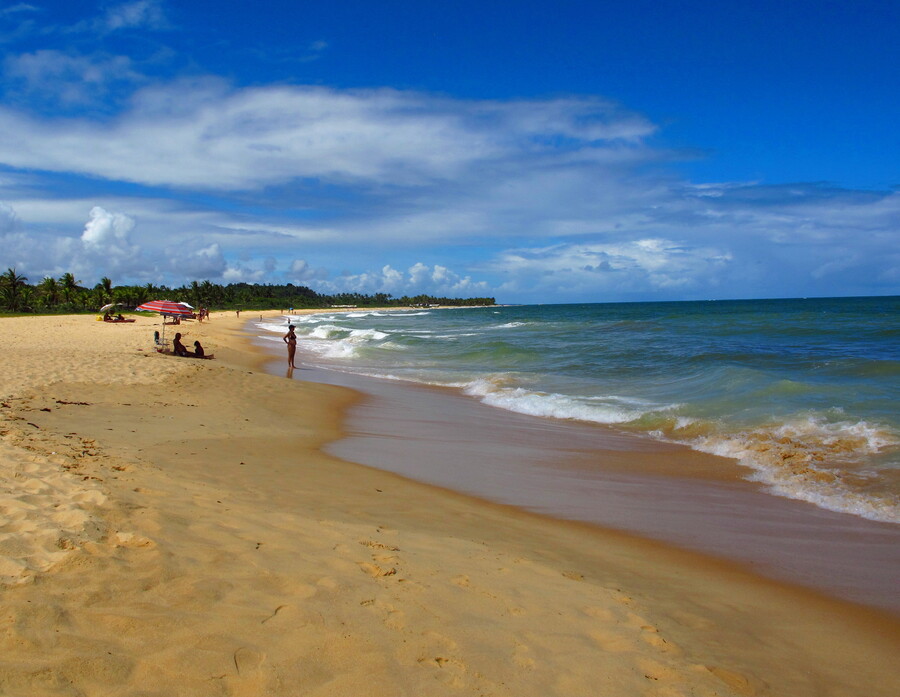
(178, 348)
(198, 350)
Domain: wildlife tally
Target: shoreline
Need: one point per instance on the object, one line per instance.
(614, 480)
(212, 547)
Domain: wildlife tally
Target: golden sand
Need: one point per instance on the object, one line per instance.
(170, 526)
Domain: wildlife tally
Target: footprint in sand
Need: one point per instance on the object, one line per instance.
(376, 571)
(612, 642)
(248, 661)
(392, 617)
(450, 671)
(440, 643)
(522, 657)
(736, 681)
(600, 613)
(372, 544)
(385, 558)
(654, 670)
(651, 636)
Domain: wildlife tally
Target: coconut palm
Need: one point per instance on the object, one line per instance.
(195, 294)
(106, 290)
(12, 289)
(49, 289)
(69, 286)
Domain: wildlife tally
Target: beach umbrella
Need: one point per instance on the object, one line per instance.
(109, 306)
(166, 308)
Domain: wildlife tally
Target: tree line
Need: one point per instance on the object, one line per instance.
(67, 294)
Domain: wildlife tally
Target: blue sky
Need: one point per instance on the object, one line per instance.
(532, 151)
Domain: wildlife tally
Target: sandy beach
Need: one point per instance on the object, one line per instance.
(172, 526)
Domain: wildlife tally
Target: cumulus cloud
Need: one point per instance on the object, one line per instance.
(638, 266)
(300, 271)
(418, 279)
(104, 247)
(243, 274)
(206, 262)
(107, 231)
(105, 243)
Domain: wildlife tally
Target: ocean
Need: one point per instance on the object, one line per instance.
(802, 392)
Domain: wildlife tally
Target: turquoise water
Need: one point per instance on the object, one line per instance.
(803, 392)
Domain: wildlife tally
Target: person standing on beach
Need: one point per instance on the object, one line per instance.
(291, 340)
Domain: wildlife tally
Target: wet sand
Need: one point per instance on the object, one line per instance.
(617, 480)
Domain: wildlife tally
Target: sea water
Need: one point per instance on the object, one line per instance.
(802, 392)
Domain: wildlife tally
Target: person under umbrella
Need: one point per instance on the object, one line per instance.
(178, 348)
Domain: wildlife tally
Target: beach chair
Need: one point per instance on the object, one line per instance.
(161, 345)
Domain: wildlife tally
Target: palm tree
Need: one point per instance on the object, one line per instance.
(208, 292)
(49, 288)
(127, 295)
(69, 286)
(11, 286)
(143, 293)
(98, 296)
(106, 290)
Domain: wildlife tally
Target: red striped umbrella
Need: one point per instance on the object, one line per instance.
(166, 307)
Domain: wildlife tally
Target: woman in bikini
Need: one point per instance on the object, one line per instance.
(291, 340)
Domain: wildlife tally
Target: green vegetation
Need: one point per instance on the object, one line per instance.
(67, 295)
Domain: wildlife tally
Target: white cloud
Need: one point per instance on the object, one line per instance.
(103, 249)
(203, 263)
(419, 279)
(105, 244)
(559, 196)
(8, 218)
(17, 8)
(105, 230)
(300, 271)
(131, 15)
(299, 268)
(69, 79)
(242, 274)
(638, 266)
(199, 134)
